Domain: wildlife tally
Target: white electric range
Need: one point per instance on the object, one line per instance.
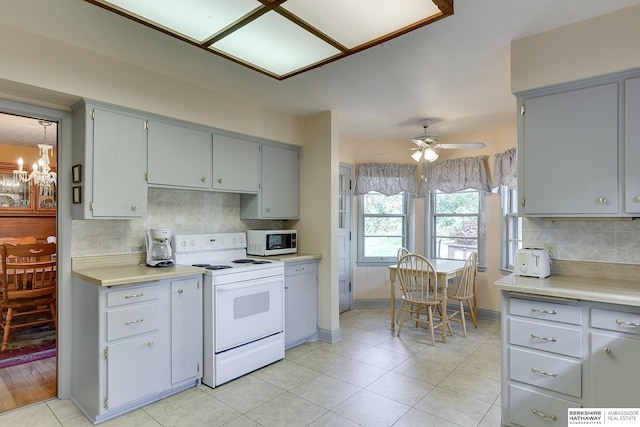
(243, 305)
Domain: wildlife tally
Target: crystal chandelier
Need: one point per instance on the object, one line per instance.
(41, 174)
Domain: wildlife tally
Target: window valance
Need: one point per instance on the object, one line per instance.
(455, 175)
(505, 171)
(386, 178)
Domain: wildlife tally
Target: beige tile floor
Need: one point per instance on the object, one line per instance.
(369, 378)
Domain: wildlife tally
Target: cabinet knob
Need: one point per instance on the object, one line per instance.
(180, 291)
(607, 350)
(134, 207)
(151, 343)
(602, 200)
(267, 209)
(220, 180)
(636, 199)
(203, 179)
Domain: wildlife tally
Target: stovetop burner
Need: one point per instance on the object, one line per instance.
(218, 267)
(250, 261)
(200, 265)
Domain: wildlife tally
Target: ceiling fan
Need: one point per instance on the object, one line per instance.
(427, 144)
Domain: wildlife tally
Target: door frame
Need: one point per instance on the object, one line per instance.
(346, 170)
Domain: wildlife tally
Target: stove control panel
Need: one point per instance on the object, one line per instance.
(208, 242)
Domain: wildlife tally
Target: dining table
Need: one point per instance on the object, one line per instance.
(445, 269)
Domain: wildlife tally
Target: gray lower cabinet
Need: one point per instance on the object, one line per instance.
(110, 145)
(134, 344)
(301, 302)
(561, 354)
(279, 196)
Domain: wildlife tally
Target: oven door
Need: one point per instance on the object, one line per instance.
(248, 310)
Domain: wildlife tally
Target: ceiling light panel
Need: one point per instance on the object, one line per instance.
(356, 22)
(197, 20)
(276, 44)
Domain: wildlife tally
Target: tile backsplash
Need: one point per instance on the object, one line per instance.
(615, 241)
(182, 211)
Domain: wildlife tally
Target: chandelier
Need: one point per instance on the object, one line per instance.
(41, 174)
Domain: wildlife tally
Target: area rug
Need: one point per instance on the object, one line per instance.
(29, 345)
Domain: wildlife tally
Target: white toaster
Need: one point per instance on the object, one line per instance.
(533, 262)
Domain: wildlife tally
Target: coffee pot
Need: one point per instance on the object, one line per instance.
(159, 247)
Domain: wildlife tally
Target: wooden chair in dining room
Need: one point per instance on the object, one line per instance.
(419, 285)
(28, 288)
(464, 293)
(401, 252)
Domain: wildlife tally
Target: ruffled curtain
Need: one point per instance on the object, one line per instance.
(386, 178)
(455, 175)
(505, 171)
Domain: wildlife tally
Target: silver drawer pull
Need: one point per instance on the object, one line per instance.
(129, 322)
(543, 415)
(141, 294)
(539, 310)
(540, 371)
(543, 338)
(624, 322)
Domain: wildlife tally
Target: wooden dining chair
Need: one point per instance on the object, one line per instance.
(464, 293)
(28, 288)
(419, 285)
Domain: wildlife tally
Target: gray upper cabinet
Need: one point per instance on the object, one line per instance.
(632, 145)
(111, 147)
(570, 152)
(179, 156)
(279, 196)
(236, 164)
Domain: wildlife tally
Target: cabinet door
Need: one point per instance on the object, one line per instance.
(632, 145)
(179, 156)
(570, 152)
(236, 164)
(615, 377)
(280, 182)
(186, 330)
(119, 165)
(137, 368)
(301, 303)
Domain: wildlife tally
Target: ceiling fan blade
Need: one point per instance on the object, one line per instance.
(450, 146)
(419, 142)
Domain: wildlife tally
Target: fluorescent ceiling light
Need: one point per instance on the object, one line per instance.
(282, 38)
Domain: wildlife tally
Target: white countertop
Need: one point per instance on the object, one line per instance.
(607, 290)
(298, 256)
(125, 269)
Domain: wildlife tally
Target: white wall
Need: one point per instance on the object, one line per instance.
(594, 47)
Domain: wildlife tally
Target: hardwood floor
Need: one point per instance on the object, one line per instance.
(27, 383)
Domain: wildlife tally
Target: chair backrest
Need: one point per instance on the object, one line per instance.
(417, 276)
(468, 277)
(402, 252)
(27, 269)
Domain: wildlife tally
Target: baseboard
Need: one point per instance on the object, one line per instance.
(329, 336)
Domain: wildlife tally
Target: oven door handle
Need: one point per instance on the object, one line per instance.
(235, 287)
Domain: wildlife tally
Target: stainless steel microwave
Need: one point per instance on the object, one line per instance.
(272, 242)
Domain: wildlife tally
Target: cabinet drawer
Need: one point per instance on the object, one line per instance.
(618, 321)
(542, 336)
(300, 268)
(546, 371)
(546, 310)
(533, 409)
(134, 320)
(132, 295)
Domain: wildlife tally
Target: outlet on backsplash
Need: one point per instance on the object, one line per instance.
(552, 249)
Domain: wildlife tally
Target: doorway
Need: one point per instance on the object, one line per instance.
(28, 213)
(345, 267)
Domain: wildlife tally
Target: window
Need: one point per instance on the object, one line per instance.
(455, 225)
(383, 226)
(511, 228)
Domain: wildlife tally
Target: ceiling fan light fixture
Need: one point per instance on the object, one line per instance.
(417, 156)
(430, 155)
